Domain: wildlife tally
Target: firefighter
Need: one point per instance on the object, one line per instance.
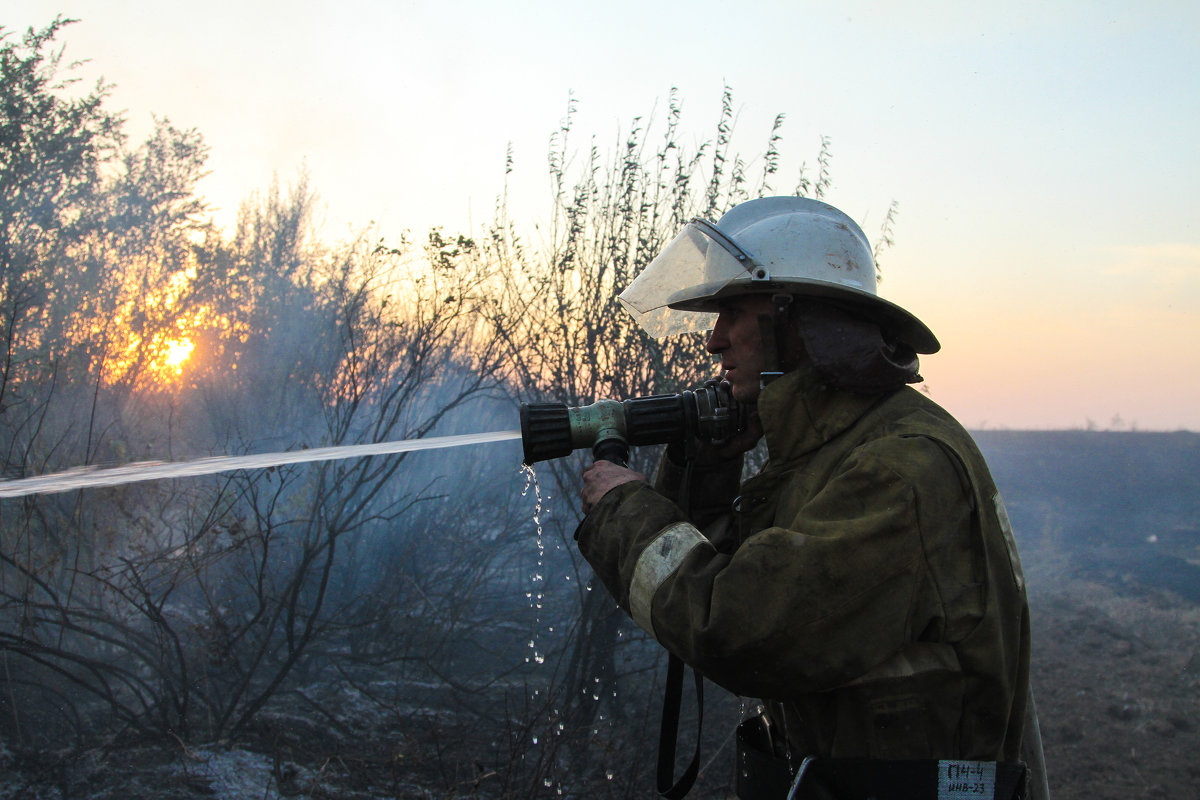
(864, 584)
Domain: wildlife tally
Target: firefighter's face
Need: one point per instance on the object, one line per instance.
(737, 338)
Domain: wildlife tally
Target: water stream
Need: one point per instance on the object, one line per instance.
(536, 593)
(92, 476)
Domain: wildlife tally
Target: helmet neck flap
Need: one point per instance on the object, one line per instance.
(847, 351)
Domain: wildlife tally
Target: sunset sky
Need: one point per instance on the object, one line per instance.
(1044, 155)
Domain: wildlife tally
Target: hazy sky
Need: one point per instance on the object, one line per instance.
(1044, 155)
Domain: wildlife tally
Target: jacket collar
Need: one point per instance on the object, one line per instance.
(800, 412)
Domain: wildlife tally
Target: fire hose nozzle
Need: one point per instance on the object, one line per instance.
(611, 427)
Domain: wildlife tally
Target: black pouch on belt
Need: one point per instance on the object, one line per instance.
(761, 774)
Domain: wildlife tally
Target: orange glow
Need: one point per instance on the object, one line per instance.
(177, 353)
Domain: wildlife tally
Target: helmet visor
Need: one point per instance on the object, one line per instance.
(698, 263)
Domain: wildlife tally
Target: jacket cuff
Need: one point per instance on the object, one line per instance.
(618, 528)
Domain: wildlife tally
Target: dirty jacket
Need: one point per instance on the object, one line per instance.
(867, 586)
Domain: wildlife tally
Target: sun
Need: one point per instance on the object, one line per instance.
(178, 352)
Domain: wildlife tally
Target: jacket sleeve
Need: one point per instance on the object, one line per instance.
(830, 592)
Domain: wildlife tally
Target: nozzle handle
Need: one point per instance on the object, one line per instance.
(614, 450)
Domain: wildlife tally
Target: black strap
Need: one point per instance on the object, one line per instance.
(669, 733)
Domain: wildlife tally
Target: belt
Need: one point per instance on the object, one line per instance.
(762, 775)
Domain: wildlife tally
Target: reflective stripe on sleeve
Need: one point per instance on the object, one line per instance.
(1009, 541)
(658, 562)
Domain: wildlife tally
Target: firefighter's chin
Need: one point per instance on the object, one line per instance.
(743, 386)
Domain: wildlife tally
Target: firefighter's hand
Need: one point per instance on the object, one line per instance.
(600, 478)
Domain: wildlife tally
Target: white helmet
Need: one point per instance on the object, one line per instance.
(776, 245)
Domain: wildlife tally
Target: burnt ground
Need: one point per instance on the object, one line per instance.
(1116, 674)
